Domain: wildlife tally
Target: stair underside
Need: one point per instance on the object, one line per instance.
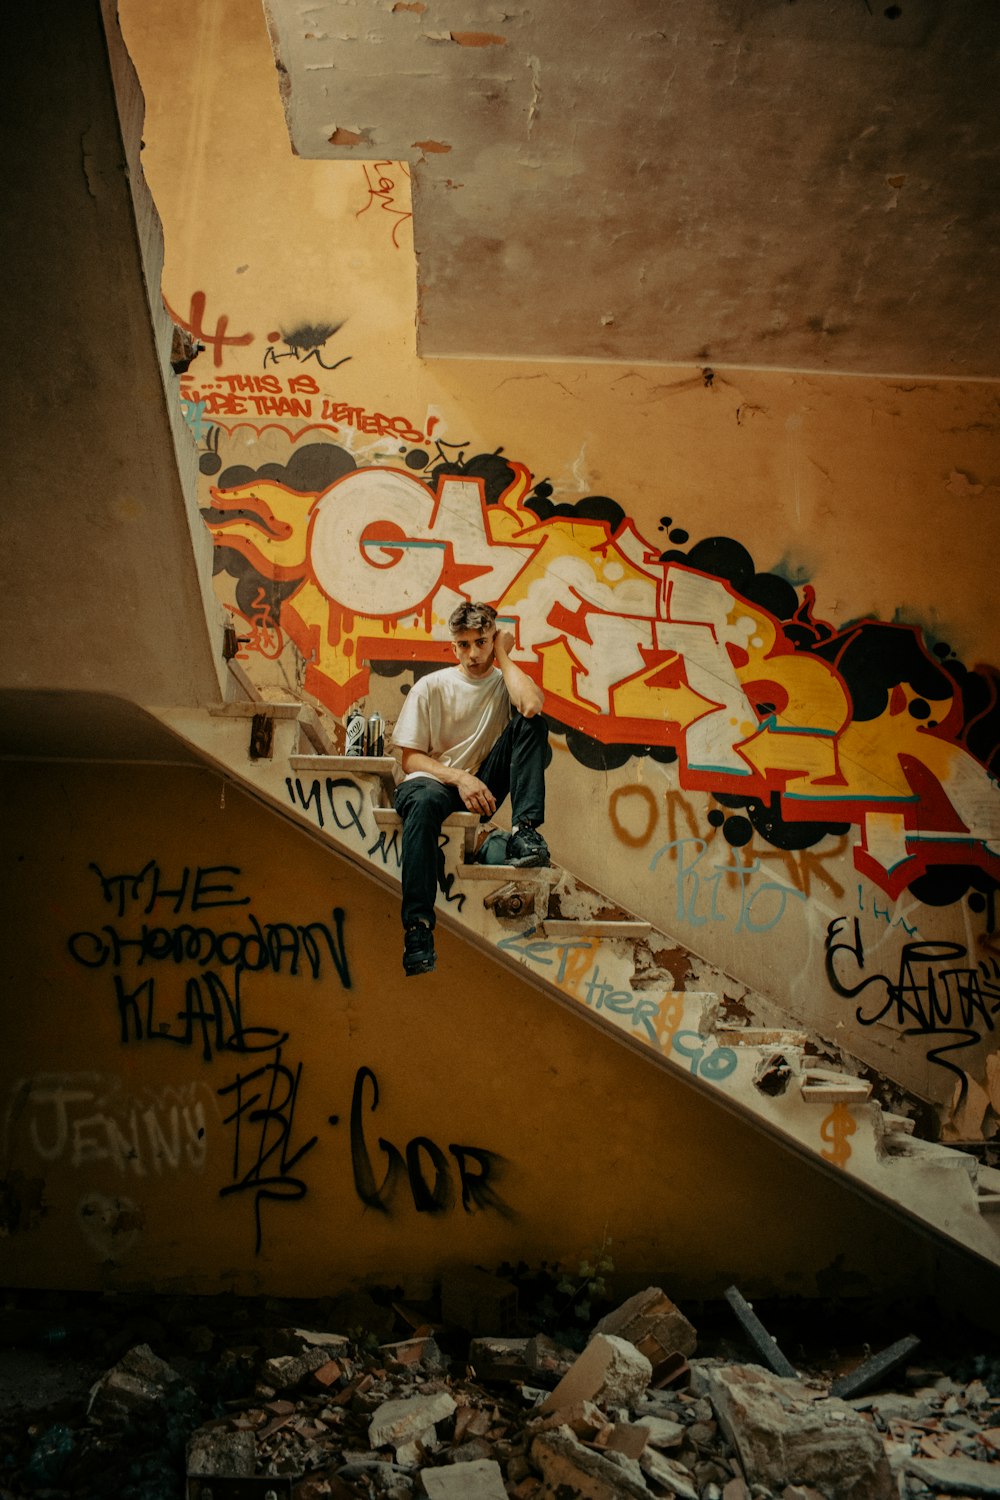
(604, 969)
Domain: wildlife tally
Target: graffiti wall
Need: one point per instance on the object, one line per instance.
(213, 1076)
(752, 600)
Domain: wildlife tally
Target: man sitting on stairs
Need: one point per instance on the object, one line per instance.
(470, 734)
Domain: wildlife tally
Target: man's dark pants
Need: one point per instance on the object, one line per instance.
(515, 766)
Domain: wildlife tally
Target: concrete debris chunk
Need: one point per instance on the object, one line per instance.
(331, 1342)
(667, 1472)
(140, 1380)
(567, 1468)
(375, 1420)
(286, 1370)
(414, 1454)
(219, 1451)
(663, 1433)
(651, 1314)
(482, 1480)
(957, 1476)
(785, 1434)
(404, 1420)
(609, 1372)
(893, 1406)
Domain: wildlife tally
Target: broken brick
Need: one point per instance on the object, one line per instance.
(609, 1372)
(651, 1314)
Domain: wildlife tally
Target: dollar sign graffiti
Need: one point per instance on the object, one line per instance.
(670, 1017)
(836, 1128)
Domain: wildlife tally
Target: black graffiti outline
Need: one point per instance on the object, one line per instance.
(930, 1005)
(278, 1186)
(477, 1189)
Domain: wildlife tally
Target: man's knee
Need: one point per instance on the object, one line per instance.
(423, 805)
(535, 728)
(531, 736)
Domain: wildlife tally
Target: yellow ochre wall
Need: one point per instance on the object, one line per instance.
(120, 1166)
(874, 499)
(123, 1160)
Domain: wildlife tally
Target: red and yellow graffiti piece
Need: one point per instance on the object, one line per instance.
(628, 649)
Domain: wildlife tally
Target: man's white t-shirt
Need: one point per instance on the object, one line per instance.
(453, 718)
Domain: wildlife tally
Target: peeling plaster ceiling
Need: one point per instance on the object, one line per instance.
(791, 184)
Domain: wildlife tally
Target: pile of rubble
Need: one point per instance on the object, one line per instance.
(302, 1414)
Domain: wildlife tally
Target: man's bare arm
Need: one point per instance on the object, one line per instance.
(526, 696)
(474, 793)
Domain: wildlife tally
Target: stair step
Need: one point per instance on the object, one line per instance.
(760, 1036)
(382, 766)
(989, 1202)
(822, 1087)
(365, 765)
(248, 710)
(915, 1148)
(559, 927)
(388, 817)
(504, 873)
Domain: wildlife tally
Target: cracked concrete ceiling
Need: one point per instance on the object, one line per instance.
(790, 184)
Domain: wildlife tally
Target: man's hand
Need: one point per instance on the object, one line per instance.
(505, 640)
(476, 794)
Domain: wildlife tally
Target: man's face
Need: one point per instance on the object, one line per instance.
(474, 651)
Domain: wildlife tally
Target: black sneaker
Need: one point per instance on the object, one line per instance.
(526, 848)
(418, 950)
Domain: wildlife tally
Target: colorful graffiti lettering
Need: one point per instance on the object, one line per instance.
(805, 730)
(654, 1019)
(209, 405)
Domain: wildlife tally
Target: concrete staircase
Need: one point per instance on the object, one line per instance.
(611, 968)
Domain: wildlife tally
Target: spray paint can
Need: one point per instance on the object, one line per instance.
(354, 733)
(376, 735)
